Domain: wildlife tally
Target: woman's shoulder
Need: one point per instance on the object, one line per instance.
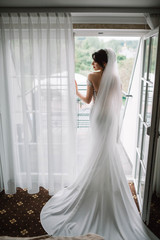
(93, 75)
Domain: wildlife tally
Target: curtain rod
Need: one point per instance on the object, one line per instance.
(81, 9)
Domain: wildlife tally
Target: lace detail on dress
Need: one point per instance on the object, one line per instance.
(89, 83)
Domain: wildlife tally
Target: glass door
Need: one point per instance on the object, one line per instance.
(147, 122)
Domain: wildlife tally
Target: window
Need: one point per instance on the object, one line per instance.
(125, 49)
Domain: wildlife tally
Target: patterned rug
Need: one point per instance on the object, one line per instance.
(19, 213)
(154, 223)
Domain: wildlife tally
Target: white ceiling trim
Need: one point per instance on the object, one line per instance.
(108, 20)
(111, 32)
(107, 14)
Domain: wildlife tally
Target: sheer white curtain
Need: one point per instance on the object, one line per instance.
(153, 20)
(37, 101)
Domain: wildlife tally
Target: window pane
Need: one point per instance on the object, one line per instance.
(145, 146)
(143, 93)
(146, 58)
(153, 56)
(142, 183)
(140, 134)
(125, 49)
(137, 169)
(148, 113)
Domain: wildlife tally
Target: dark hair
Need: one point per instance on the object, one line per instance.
(100, 57)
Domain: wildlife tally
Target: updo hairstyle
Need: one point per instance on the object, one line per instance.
(100, 57)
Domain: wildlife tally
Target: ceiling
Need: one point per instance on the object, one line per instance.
(90, 11)
(81, 3)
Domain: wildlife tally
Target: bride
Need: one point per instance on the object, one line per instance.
(99, 201)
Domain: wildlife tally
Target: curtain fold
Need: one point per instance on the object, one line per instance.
(38, 102)
(153, 20)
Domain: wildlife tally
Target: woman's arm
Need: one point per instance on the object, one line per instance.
(89, 94)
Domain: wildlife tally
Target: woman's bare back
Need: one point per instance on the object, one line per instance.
(95, 78)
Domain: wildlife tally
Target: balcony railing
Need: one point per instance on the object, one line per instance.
(83, 110)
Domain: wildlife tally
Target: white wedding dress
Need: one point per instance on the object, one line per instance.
(100, 200)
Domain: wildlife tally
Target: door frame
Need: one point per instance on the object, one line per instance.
(154, 133)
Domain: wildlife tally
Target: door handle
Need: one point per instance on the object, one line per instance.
(127, 95)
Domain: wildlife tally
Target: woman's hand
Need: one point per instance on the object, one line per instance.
(76, 86)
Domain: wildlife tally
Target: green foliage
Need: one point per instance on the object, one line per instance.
(116, 45)
(120, 58)
(86, 46)
(132, 44)
(125, 69)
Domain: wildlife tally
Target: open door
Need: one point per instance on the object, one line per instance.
(148, 119)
